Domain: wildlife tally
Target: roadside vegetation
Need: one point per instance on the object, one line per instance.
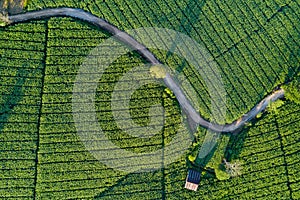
(293, 89)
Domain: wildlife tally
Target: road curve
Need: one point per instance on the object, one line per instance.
(146, 54)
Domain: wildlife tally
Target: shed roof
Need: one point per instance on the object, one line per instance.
(192, 180)
(193, 176)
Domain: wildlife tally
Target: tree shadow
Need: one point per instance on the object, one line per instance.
(130, 180)
(12, 100)
(193, 8)
(292, 72)
(110, 189)
(237, 139)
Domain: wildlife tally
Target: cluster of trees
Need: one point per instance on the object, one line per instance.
(214, 160)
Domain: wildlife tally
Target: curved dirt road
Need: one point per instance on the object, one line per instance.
(237, 124)
(145, 53)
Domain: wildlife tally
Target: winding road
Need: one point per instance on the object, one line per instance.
(146, 54)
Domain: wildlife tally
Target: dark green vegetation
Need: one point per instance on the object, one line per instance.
(256, 47)
(293, 90)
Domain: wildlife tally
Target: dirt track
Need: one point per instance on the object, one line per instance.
(195, 116)
(145, 53)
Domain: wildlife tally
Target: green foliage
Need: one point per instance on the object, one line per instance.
(192, 157)
(259, 115)
(273, 106)
(292, 90)
(250, 41)
(158, 71)
(216, 161)
(3, 19)
(169, 92)
(233, 168)
(221, 174)
(2, 23)
(194, 153)
(25, 3)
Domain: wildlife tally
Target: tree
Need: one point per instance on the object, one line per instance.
(3, 19)
(292, 90)
(234, 168)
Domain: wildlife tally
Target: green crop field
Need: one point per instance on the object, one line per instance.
(255, 45)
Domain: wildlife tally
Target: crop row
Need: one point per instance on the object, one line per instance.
(60, 146)
(22, 52)
(245, 95)
(264, 164)
(250, 62)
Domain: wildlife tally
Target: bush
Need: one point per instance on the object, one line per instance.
(292, 90)
(221, 174)
(3, 19)
(158, 71)
(273, 106)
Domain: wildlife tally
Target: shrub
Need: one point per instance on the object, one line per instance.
(3, 19)
(273, 106)
(158, 71)
(292, 90)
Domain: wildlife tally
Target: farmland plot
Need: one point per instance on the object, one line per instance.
(255, 46)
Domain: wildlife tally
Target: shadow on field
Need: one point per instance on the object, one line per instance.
(236, 142)
(188, 19)
(12, 100)
(110, 189)
(293, 71)
(134, 186)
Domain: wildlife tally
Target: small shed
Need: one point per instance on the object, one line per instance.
(192, 180)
